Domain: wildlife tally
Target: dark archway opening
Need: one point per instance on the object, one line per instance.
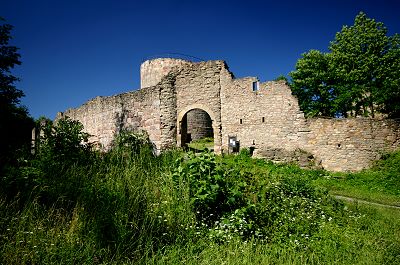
(196, 130)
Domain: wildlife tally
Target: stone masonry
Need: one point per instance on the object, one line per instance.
(181, 101)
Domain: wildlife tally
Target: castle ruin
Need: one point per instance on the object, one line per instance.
(180, 101)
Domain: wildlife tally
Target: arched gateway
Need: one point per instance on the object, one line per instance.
(196, 122)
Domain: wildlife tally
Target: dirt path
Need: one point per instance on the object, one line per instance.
(365, 202)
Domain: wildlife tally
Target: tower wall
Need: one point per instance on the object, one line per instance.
(152, 71)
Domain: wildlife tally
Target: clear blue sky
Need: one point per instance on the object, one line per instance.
(73, 51)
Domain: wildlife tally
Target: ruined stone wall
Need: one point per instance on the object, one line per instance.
(104, 117)
(266, 119)
(270, 121)
(351, 144)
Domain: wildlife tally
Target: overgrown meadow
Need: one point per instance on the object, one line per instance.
(69, 204)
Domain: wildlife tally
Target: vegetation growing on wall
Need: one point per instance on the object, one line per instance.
(360, 76)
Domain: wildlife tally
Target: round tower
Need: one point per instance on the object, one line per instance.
(152, 71)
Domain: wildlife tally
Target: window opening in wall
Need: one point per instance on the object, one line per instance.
(255, 86)
(241, 121)
(263, 119)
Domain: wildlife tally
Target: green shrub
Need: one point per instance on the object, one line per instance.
(133, 142)
(232, 201)
(100, 204)
(63, 141)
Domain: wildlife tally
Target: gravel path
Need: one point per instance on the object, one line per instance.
(365, 202)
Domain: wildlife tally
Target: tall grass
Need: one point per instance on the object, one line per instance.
(106, 208)
(129, 206)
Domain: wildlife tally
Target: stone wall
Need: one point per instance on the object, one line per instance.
(351, 144)
(168, 116)
(266, 118)
(104, 117)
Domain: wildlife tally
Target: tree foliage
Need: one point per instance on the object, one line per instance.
(313, 84)
(15, 123)
(360, 76)
(9, 57)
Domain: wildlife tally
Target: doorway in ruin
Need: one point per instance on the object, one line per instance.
(196, 130)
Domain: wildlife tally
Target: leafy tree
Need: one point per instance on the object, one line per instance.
(367, 64)
(360, 75)
(389, 95)
(313, 84)
(15, 123)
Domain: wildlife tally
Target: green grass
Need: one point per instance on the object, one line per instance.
(206, 143)
(368, 236)
(131, 207)
(379, 184)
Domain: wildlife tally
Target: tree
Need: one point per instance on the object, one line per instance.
(313, 84)
(360, 75)
(363, 58)
(389, 96)
(15, 123)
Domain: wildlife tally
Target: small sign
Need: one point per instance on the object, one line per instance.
(233, 144)
(232, 141)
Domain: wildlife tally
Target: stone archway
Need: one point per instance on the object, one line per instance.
(196, 124)
(202, 124)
